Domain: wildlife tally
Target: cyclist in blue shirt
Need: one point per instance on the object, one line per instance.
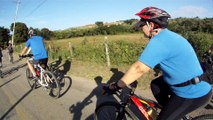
(36, 44)
(180, 89)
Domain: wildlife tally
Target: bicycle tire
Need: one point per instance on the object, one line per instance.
(109, 111)
(204, 117)
(53, 84)
(30, 80)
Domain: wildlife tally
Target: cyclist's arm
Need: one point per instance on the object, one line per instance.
(134, 73)
(23, 51)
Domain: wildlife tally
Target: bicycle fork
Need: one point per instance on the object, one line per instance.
(123, 110)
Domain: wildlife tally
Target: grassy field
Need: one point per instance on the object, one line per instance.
(137, 38)
(91, 69)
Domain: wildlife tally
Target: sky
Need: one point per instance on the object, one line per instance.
(63, 14)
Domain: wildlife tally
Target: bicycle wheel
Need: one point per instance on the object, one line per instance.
(111, 111)
(30, 80)
(204, 117)
(53, 84)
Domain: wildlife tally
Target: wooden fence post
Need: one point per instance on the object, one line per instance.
(107, 51)
(50, 49)
(21, 48)
(71, 51)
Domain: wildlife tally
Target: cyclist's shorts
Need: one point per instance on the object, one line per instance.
(42, 62)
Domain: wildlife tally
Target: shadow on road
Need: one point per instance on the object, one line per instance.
(55, 64)
(60, 71)
(7, 72)
(10, 80)
(117, 75)
(14, 105)
(210, 105)
(76, 109)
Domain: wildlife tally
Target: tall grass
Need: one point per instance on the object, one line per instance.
(123, 49)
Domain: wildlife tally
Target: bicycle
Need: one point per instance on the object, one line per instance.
(148, 109)
(46, 79)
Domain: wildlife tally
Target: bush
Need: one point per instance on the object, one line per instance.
(122, 52)
(90, 53)
(201, 42)
(55, 51)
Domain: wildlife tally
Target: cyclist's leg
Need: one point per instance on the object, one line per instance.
(9, 57)
(160, 90)
(178, 107)
(12, 57)
(30, 65)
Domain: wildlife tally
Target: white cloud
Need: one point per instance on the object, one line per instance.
(190, 11)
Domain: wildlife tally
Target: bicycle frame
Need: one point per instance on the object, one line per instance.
(145, 106)
(39, 72)
(143, 110)
(140, 107)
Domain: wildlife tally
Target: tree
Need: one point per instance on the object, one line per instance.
(21, 32)
(46, 33)
(99, 24)
(4, 36)
(131, 21)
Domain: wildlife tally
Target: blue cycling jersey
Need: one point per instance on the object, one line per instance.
(177, 60)
(37, 47)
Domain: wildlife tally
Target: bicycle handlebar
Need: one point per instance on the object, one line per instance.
(132, 87)
(27, 55)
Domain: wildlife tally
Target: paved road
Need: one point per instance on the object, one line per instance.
(78, 99)
(19, 102)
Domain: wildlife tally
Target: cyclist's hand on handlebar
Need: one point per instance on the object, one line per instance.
(111, 88)
(24, 56)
